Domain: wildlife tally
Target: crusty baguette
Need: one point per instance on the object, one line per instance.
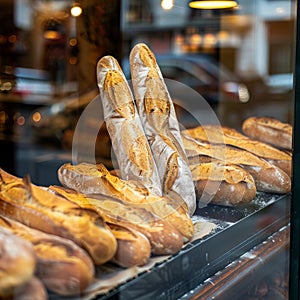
(134, 248)
(267, 177)
(219, 135)
(221, 183)
(63, 266)
(163, 238)
(269, 130)
(34, 289)
(42, 210)
(161, 126)
(124, 126)
(17, 262)
(96, 179)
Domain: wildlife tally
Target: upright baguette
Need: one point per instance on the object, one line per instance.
(42, 210)
(269, 130)
(63, 266)
(161, 126)
(96, 179)
(267, 177)
(220, 135)
(17, 262)
(164, 238)
(124, 126)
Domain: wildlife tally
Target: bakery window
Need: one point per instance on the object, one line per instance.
(150, 150)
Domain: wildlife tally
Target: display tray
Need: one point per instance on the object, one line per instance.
(238, 230)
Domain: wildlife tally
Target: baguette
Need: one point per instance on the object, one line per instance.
(34, 289)
(269, 130)
(267, 177)
(63, 266)
(96, 179)
(17, 262)
(134, 248)
(224, 184)
(220, 135)
(163, 238)
(42, 210)
(161, 126)
(124, 126)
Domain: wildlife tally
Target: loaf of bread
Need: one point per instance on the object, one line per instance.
(223, 135)
(94, 179)
(133, 249)
(269, 130)
(124, 126)
(34, 289)
(164, 238)
(42, 210)
(221, 183)
(267, 177)
(17, 262)
(161, 127)
(63, 266)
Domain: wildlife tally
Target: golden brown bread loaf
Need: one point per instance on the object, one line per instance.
(224, 184)
(62, 265)
(223, 135)
(163, 238)
(133, 249)
(17, 262)
(42, 210)
(124, 126)
(32, 290)
(161, 127)
(269, 130)
(267, 177)
(91, 179)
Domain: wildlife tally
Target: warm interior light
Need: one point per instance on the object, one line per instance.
(213, 4)
(76, 10)
(167, 4)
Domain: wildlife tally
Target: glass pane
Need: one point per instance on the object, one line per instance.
(202, 125)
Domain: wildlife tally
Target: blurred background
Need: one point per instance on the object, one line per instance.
(240, 60)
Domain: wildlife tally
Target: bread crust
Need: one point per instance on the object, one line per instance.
(124, 126)
(17, 262)
(40, 209)
(161, 126)
(219, 183)
(227, 136)
(267, 177)
(94, 179)
(63, 266)
(269, 130)
(164, 238)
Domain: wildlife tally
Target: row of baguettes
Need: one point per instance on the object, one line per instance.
(70, 232)
(229, 167)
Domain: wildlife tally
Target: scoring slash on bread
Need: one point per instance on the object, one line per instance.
(124, 126)
(267, 177)
(269, 130)
(63, 267)
(161, 126)
(220, 135)
(17, 262)
(96, 179)
(42, 210)
(164, 238)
